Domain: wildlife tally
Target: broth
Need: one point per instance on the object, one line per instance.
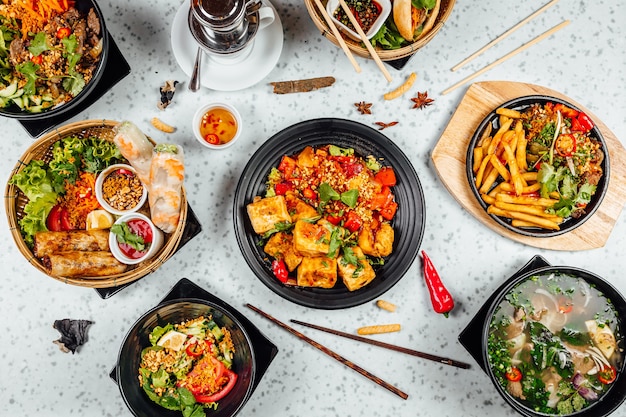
(555, 344)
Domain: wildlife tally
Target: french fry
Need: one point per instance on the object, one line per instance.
(527, 189)
(516, 178)
(486, 134)
(378, 328)
(162, 126)
(386, 305)
(543, 222)
(530, 176)
(528, 209)
(499, 166)
(402, 89)
(478, 158)
(525, 199)
(487, 198)
(513, 114)
(520, 152)
(481, 172)
(490, 179)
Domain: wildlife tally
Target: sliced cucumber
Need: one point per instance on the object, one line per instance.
(10, 90)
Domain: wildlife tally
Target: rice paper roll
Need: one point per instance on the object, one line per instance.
(73, 240)
(83, 264)
(167, 174)
(135, 146)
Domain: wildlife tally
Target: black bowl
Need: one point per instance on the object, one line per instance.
(615, 396)
(521, 103)
(15, 112)
(175, 311)
(408, 223)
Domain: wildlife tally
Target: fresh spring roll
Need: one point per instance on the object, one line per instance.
(167, 174)
(82, 264)
(74, 240)
(135, 147)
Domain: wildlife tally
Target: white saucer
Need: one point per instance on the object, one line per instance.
(266, 50)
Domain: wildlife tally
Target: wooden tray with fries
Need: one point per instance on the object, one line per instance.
(449, 158)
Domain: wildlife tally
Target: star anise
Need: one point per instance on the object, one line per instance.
(383, 125)
(363, 107)
(422, 100)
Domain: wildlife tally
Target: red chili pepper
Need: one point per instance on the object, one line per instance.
(585, 122)
(566, 111)
(212, 138)
(37, 59)
(565, 145)
(280, 270)
(439, 296)
(514, 375)
(353, 222)
(607, 375)
(335, 220)
(63, 32)
(198, 348)
(282, 187)
(309, 193)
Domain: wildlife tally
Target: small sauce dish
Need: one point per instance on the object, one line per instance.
(384, 8)
(138, 225)
(119, 190)
(217, 125)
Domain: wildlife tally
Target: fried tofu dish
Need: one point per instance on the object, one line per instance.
(325, 219)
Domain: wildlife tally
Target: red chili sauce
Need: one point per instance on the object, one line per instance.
(365, 11)
(140, 228)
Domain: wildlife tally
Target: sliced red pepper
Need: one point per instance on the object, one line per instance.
(335, 220)
(440, 297)
(63, 32)
(566, 111)
(607, 375)
(212, 138)
(352, 222)
(565, 305)
(198, 348)
(565, 145)
(287, 166)
(37, 59)
(282, 187)
(280, 270)
(389, 210)
(232, 380)
(585, 122)
(381, 199)
(309, 193)
(514, 374)
(386, 176)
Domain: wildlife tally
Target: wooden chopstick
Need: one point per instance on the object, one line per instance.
(445, 361)
(504, 35)
(366, 41)
(509, 55)
(334, 355)
(333, 28)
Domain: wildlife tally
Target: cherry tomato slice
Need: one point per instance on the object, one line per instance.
(514, 375)
(232, 380)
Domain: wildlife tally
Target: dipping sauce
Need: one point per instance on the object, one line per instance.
(122, 190)
(142, 229)
(365, 11)
(218, 126)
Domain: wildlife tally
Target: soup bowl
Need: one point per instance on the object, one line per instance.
(588, 283)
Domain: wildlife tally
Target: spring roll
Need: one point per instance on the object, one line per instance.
(82, 264)
(167, 174)
(135, 147)
(74, 240)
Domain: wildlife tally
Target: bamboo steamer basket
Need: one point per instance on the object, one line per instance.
(357, 47)
(15, 201)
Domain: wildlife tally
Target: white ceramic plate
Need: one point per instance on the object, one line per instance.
(268, 45)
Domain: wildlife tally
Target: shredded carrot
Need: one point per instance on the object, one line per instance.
(34, 14)
(80, 199)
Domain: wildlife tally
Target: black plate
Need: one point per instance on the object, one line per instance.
(408, 223)
(521, 103)
(83, 7)
(474, 336)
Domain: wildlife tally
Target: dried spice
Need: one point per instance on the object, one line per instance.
(363, 107)
(302, 86)
(422, 100)
(383, 125)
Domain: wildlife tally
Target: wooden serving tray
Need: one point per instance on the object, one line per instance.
(449, 157)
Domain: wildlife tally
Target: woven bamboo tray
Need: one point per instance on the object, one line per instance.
(385, 55)
(15, 201)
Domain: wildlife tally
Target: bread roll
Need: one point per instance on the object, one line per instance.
(408, 19)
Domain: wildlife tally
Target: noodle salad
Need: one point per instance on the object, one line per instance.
(188, 366)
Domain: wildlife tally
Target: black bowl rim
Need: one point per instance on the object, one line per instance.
(569, 224)
(187, 300)
(86, 91)
(366, 141)
(601, 408)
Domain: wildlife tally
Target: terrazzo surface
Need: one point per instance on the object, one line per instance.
(585, 61)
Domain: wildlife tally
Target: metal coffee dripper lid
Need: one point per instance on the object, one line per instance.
(223, 23)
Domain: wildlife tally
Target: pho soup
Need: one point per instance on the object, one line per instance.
(555, 344)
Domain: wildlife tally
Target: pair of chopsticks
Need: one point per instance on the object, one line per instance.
(359, 30)
(350, 364)
(510, 54)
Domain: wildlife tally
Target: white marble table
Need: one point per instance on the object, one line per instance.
(586, 61)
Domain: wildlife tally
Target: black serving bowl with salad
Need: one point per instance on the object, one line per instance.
(212, 361)
(571, 166)
(56, 62)
(553, 343)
